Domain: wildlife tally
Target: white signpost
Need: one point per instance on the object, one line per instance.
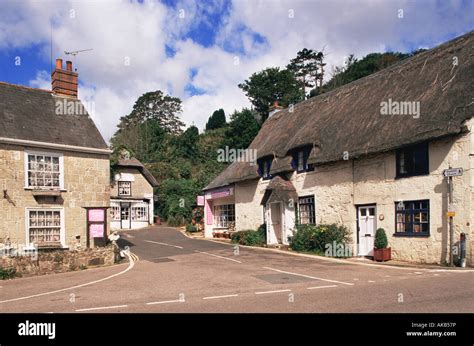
(450, 173)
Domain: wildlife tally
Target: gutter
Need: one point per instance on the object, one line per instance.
(55, 146)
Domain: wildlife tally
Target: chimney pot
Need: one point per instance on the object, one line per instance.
(64, 82)
(59, 64)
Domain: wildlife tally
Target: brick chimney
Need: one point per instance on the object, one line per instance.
(64, 82)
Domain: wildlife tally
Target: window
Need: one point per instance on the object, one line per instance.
(44, 171)
(412, 218)
(223, 215)
(412, 161)
(44, 227)
(124, 188)
(306, 210)
(115, 213)
(299, 160)
(140, 213)
(264, 166)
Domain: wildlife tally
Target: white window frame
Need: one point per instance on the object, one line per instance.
(133, 212)
(45, 153)
(115, 205)
(62, 232)
(129, 185)
(222, 221)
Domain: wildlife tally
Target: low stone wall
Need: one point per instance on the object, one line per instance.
(59, 261)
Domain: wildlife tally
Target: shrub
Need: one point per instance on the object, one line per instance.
(176, 220)
(7, 273)
(380, 241)
(313, 238)
(249, 238)
(191, 228)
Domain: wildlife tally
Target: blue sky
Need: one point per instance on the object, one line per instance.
(199, 51)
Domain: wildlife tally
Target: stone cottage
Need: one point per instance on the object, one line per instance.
(132, 199)
(367, 155)
(54, 167)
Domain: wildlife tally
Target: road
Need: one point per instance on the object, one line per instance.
(174, 273)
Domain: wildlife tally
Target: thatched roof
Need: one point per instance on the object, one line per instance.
(134, 163)
(279, 189)
(349, 118)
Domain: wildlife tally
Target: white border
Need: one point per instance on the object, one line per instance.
(46, 153)
(62, 233)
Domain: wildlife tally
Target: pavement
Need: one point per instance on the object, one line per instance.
(169, 272)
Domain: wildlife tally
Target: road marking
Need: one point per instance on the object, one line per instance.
(310, 277)
(436, 274)
(210, 254)
(157, 242)
(166, 302)
(130, 266)
(316, 287)
(217, 297)
(269, 292)
(371, 281)
(418, 273)
(103, 308)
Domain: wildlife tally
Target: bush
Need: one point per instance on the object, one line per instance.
(249, 238)
(313, 238)
(176, 220)
(7, 273)
(380, 241)
(191, 228)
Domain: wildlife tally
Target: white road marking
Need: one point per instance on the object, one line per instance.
(226, 258)
(156, 242)
(310, 277)
(269, 292)
(371, 281)
(130, 266)
(103, 308)
(166, 302)
(218, 297)
(316, 287)
(436, 274)
(418, 273)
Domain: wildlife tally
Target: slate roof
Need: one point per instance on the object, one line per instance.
(349, 118)
(30, 114)
(134, 163)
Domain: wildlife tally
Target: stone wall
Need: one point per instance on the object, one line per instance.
(86, 184)
(59, 261)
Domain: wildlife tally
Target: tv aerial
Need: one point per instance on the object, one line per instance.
(75, 52)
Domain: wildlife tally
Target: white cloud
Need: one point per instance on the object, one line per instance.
(126, 31)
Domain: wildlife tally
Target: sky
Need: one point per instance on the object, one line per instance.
(200, 51)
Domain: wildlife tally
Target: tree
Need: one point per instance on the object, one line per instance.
(272, 84)
(307, 68)
(242, 129)
(187, 144)
(154, 105)
(216, 120)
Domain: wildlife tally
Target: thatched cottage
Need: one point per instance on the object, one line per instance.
(54, 167)
(369, 154)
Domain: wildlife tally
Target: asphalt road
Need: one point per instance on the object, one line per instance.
(178, 274)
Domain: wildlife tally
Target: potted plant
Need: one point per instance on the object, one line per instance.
(381, 251)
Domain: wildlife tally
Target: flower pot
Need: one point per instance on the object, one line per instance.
(382, 255)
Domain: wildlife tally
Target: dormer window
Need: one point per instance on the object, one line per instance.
(299, 160)
(264, 166)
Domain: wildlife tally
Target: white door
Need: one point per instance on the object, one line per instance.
(275, 217)
(125, 215)
(367, 225)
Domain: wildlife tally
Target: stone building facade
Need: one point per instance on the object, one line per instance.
(54, 165)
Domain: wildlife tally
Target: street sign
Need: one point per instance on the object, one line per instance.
(450, 214)
(452, 172)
